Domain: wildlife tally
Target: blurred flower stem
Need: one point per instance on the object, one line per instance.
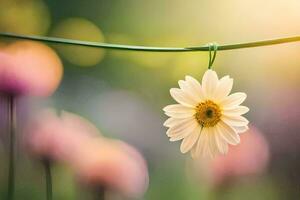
(48, 178)
(99, 193)
(12, 130)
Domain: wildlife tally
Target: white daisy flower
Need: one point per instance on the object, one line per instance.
(206, 117)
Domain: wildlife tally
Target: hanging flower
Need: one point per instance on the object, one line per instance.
(207, 118)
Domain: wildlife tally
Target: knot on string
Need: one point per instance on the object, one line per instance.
(212, 50)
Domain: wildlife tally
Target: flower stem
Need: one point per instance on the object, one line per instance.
(48, 178)
(99, 193)
(12, 130)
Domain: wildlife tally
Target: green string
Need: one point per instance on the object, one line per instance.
(212, 53)
(152, 49)
(209, 56)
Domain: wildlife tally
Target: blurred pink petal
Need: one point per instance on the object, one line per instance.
(29, 68)
(8, 84)
(114, 164)
(97, 161)
(250, 158)
(78, 123)
(58, 138)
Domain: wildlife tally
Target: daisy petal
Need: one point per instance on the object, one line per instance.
(209, 83)
(228, 133)
(170, 122)
(182, 98)
(207, 153)
(233, 111)
(187, 127)
(233, 100)
(224, 87)
(194, 151)
(189, 141)
(178, 108)
(196, 85)
(241, 129)
(189, 91)
(195, 88)
(235, 120)
(174, 121)
(203, 143)
(221, 144)
(182, 134)
(212, 143)
(180, 115)
(184, 124)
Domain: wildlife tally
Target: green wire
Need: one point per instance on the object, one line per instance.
(212, 56)
(146, 48)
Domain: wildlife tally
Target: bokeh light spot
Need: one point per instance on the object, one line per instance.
(24, 17)
(80, 29)
(189, 63)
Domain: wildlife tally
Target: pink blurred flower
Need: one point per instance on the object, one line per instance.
(49, 136)
(29, 68)
(97, 161)
(114, 164)
(250, 158)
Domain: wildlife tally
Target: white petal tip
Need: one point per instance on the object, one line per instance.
(180, 82)
(246, 109)
(237, 142)
(183, 151)
(187, 77)
(172, 90)
(173, 139)
(244, 95)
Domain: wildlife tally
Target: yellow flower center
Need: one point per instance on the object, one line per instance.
(208, 113)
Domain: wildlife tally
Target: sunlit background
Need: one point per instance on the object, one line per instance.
(123, 93)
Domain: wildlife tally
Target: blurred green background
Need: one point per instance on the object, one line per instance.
(123, 93)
